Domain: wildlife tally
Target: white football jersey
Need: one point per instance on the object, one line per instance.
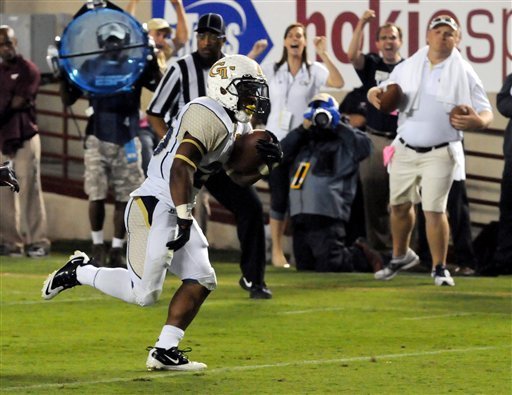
(207, 121)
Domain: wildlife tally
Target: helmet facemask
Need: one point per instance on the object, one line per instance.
(252, 96)
(238, 84)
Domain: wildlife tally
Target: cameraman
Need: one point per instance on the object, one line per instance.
(321, 160)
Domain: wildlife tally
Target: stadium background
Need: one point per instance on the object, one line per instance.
(486, 43)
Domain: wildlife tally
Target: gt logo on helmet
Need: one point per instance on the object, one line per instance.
(220, 69)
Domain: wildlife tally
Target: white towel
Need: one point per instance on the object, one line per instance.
(408, 75)
(453, 87)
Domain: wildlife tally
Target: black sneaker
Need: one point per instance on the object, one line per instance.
(245, 284)
(37, 251)
(116, 257)
(171, 359)
(99, 254)
(260, 292)
(65, 277)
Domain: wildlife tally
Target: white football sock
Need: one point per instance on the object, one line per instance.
(115, 282)
(97, 237)
(117, 243)
(169, 337)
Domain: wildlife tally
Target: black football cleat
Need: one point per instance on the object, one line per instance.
(65, 277)
(245, 284)
(171, 359)
(260, 292)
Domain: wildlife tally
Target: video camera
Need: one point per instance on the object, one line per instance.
(323, 111)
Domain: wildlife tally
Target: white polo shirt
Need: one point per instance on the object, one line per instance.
(430, 124)
(290, 95)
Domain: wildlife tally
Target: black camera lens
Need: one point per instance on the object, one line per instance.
(322, 118)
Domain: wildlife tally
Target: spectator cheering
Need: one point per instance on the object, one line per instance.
(428, 149)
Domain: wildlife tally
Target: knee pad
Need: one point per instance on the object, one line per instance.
(209, 282)
(148, 298)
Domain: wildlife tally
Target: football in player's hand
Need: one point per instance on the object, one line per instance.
(391, 98)
(245, 158)
(459, 110)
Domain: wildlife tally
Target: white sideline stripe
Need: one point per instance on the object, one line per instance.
(427, 317)
(311, 310)
(252, 367)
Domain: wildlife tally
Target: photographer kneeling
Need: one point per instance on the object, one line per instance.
(320, 166)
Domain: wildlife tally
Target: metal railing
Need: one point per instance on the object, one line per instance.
(57, 176)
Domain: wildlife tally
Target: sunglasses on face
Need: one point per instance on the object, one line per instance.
(444, 20)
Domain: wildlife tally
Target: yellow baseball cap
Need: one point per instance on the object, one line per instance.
(158, 24)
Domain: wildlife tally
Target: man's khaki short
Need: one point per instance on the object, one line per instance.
(106, 165)
(416, 177)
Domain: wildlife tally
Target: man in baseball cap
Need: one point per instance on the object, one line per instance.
(112, 30)
(160, 30)
(213, 23)
(444, 20)
(159, 24)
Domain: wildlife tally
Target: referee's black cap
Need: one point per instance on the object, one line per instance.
(211, 23)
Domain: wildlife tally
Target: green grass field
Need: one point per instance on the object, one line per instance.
(321, 333)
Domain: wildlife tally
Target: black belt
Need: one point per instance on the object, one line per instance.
(388, 135)
(422, 150)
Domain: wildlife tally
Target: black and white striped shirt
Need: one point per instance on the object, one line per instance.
(184, 81)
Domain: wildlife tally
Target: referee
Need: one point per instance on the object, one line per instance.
(184, 81)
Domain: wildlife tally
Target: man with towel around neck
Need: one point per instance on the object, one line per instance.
(428, 148)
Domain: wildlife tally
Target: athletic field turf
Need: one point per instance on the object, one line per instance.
(320, 334)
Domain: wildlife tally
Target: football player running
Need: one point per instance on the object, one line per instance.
(162, 234)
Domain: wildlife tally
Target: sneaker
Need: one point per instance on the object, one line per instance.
(442, 276)
(245, 284)
(409, 260)
(260, 292)
(16, 252)
(99, 254)
(12, 251)
(65, 277)
(171, 359)
(116, 257)
(37, 251)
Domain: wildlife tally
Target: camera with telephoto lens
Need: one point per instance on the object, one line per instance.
(323, 112)
(322, 118)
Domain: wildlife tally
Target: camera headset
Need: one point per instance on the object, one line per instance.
(323, 111)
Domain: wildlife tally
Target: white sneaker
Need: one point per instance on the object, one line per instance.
(171, 359)
(442, 276)
(409, 260)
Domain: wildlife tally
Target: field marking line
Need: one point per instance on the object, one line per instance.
(310, 311)
(153, 375)
(427, 317)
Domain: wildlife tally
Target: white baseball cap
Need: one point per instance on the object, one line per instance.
(444, 20)
(111, 29)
